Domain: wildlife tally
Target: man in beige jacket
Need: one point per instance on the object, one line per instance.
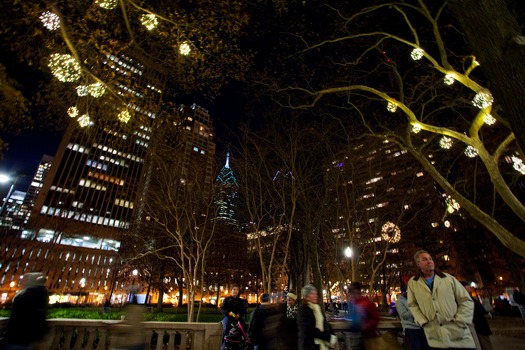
(440, 305)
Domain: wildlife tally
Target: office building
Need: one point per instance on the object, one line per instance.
(87, 198)
(383, 200)
(227, 197)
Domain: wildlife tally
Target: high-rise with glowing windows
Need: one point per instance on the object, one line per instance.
(94, 185)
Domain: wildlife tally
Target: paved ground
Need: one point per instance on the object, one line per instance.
(509, 333)
(507, 343)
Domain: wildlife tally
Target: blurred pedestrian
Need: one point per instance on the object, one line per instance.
(485, 301)
(314, 332)
(362, 314)
(440, 305)
(413, 332)
(264, 326)
(27, 323)
(519, 298)
(107, 306)
(481, 324)
(130, 332)
(289, 322)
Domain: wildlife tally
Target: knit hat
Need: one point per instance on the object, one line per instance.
(291, 296)
(307, 290)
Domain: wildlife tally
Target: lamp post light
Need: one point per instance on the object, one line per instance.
(6, 179)
(11, 285)
(81, 284)
(349, 253)
(132, 289)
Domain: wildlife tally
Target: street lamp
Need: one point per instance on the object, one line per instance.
(81, 284)
(349, 253)
(132, 289)
(11, 285)
(5, 179)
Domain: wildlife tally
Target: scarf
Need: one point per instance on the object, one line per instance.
(291, 311)
(319, 324)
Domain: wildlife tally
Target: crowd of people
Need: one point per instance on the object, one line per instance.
(437, 311)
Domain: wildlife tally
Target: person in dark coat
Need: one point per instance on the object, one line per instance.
(234, 310)
(264, 327)
(27, 323)
(481, 324)
(314, 330)
(289, 322)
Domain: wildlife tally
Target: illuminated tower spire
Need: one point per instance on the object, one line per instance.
(228, 196)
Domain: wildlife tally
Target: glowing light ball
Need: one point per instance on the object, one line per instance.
(149, 21)
(446, 142)
(416, 128)
(64, 67)
(417, 54)
(50, 20)
(471, 152)
(449, 79)
(518, 164)
(82, 90)
(84, 121)
(72, 112)
(185, 48)
(107, 4)
(483, 100)
(391, 107)
(96, 90)
(124, 116)
(489, 119)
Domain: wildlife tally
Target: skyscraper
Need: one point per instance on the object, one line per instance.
(227, 200)
(88, 197)
(36, 184)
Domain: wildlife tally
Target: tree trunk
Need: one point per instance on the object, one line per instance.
(497, 41)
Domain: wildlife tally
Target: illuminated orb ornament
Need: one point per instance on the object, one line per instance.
(445, 142)
(64, 67)
(107, 4)
(449, 79)
(483, 100)
(84, 121)
(471, 152)
(82, 90)
(72, 112)
(97, 89)
(489, 119)
(149, 21)
(185, 48)
(452, 205)
(390, 232)
(50, 20)
(124, 116)
(416, 128)
(518, 165)
(417, 54)
(391, 107)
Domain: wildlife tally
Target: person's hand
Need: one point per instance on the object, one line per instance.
(237, 316)
(333, 341)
